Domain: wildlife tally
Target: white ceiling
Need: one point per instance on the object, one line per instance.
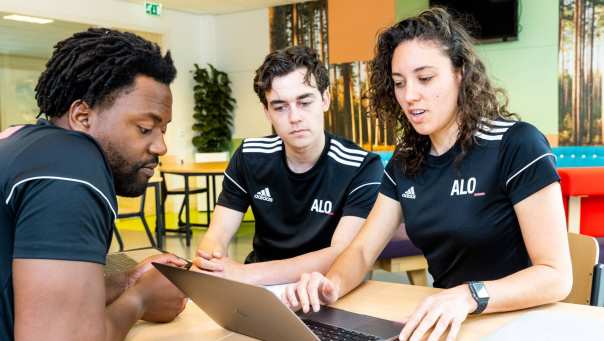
(213, 7)
(33, 40)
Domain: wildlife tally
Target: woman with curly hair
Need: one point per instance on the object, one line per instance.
(476, 189)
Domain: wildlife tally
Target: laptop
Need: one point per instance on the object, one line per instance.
(256, 312)
(126, 260)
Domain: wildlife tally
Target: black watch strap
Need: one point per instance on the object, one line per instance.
(481, 302)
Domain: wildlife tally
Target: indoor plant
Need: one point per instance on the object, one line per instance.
(213, 114)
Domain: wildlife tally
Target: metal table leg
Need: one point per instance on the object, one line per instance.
(159, 217)
(187, 213)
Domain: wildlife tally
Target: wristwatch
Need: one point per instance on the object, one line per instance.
(480, 295)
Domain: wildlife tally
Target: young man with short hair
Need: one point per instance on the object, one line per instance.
(310, 191)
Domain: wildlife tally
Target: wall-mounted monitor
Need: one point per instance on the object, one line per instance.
(494, 20)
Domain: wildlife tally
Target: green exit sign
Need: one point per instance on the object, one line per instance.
(152, 8)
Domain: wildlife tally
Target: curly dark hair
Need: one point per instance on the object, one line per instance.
(477, 97)
(95, 65)
(282, 62)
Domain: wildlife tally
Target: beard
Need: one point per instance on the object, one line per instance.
(126, 176)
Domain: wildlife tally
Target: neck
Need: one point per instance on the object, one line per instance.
(444, 139)
(300, 160)
(61, 122)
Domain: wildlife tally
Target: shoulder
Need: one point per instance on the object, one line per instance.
(495, 130)
(348, 154)
(523, 130)
(505, 130)
(256, 153)
(51, 153)
(60, 151)
(393, 171)
(55, 141)
(261, 146)
(522, 137)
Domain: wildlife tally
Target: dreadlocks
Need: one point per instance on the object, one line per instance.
(95, 65)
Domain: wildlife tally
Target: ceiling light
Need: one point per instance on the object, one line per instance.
(24, 18)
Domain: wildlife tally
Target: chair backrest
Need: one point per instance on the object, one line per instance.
(579, 156)
(584, 253)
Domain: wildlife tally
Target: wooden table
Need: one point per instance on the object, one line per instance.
(209, 170)
(386, 300)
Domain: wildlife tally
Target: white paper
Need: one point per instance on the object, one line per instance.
(277, 289)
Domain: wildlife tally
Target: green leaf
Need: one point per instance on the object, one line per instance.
(213, 109)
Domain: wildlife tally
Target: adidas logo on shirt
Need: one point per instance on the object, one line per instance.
(264, 194)
(409, 194)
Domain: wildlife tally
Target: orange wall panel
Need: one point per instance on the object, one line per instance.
(353, 26)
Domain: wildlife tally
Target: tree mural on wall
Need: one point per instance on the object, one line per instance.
(300, 24)
(581, 62)
(306, 24)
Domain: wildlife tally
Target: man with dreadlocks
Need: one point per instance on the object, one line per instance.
(107, 101)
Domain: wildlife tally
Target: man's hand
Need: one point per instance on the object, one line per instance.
(145, 265)
(312, 290)
(443, 311)
(160, 299)
(208, 262)
(223, 267)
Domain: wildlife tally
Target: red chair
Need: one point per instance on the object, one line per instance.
(583, 195)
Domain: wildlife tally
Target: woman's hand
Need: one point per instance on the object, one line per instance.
(312, 290)
(443, 311)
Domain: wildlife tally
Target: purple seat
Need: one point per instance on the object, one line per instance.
(400, 255)
(401, 248)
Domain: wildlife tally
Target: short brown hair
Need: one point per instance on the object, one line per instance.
(282, 62)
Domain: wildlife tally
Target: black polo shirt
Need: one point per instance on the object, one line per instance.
(297, 213)
(57, 202)
(463, 218)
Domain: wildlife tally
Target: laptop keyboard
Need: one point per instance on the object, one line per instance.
(326, 332)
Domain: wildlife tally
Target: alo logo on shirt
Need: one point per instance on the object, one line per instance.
(321, 206)
(461, 187)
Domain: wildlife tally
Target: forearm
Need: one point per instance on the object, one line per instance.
(115, 285)
(223, 227)
(349, 269)
(121, 315)
(533, 286)
(289, 270)
(541, 218)
(212, 242)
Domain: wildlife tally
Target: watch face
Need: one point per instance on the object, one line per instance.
(481, 290)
